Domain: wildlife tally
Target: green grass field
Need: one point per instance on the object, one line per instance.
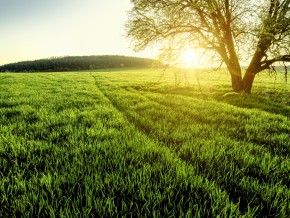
(143, 143)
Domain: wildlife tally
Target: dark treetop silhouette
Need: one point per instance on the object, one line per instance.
(72, 63)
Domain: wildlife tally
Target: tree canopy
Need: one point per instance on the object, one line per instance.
(237, 31)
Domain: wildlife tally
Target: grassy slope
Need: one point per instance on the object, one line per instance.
(129, 143)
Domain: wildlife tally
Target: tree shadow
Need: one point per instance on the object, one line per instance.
(268, 100)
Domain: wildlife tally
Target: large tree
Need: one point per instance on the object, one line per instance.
(238, 31)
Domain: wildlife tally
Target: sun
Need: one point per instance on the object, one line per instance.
(189, 58)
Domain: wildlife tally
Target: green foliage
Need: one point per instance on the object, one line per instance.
(121, 144)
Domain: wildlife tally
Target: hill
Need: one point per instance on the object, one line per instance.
(74, 63)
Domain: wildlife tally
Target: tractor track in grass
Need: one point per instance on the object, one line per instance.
(239, 136)
(169, 150)
(131, 120)
(197, 120)
(232, 187)
(147, 133)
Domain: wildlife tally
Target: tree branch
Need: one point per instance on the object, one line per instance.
(267, 63)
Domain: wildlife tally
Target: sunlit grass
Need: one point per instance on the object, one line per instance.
(137, 143)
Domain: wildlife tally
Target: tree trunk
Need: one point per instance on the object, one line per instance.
(248, 81)
(253, 69)
(236, 82)
(236, 76)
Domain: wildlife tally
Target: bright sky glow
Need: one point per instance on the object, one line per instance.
(35, 29)
(190, 58)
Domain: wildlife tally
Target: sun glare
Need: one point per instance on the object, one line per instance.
(189, 58)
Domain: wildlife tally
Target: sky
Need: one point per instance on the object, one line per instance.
(35, 29)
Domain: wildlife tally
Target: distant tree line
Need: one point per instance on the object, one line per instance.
(74, 63)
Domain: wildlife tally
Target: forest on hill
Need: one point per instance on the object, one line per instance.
(75, 63)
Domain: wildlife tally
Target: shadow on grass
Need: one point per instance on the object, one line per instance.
(271, 101)
(266, 101)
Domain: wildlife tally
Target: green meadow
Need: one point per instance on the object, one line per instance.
(143, 143)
